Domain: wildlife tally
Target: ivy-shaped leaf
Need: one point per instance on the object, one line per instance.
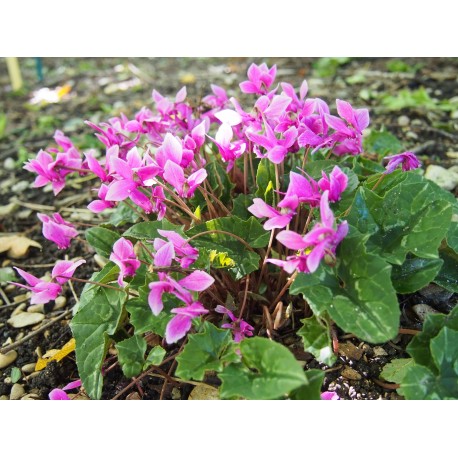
(357, 294)
(102, 240)
(131, 355)
(206, 351)
(148, 230)
(311, 390)
(91, 327)
(268, 371)
(415, 273)
(155, 357)
(317, 341)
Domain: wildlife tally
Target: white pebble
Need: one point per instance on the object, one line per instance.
(17, 392)
(25, 319)
(7, 358)
(61, 301)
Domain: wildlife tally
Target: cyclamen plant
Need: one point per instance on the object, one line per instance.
(241, 211)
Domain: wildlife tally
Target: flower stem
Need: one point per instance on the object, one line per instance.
(283, 290)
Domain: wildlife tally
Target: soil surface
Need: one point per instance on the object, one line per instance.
(96, 89)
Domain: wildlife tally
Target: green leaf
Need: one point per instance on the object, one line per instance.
(415, 273)
(412, 216)
(448, 275)
(265, 178)
(364, 167)
(395, 370)
(91, 327)
(311, 390)
(6, 274)
(131, 355)
(147, 230)
(123, 214)
(209, 350)
(359, 297)
(241, 204)
(250, 231)
(142, 317)
(444, 351)
(155, 357)
(102, 240)
(382, 143)
(16, 374)
(317, 341)
(107, 275)
(419, 346)
(268, 371)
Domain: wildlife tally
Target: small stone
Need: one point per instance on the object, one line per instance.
(25, 319)
(412, 135)
(17, 391)
(10, 288)
(28, 368)
(30, 397)
(403, 121)
(4, 398)
(8, 341)
(36, 308)
(350, 374)
(176, 393)
(9, 164)
(20, 186)
(7, 358)
(21, 297)
(423, 310)
(380, 351)
(60, 302)
(19, 337)
(203, 392)
(133, 397)
(19, 309)
(445, 178)
(8, 381)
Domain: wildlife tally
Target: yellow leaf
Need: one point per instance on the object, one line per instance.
(17, 246)
(60, 354)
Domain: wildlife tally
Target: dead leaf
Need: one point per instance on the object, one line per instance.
(17, 246)
(55, 355)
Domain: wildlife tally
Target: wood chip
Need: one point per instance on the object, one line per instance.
(350, 351)
(350, 373)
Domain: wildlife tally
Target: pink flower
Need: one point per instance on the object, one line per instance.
(321, 240)
(179, 325)
(42, 291)
(195, 281)
(276, 219)
(239, 327)
(276, 149)
(301, 190)
(56, 229)
(63, 270)
(184, 253)
(123, 256)
(260, 78)
(185, 187)
(335, 184)
(407, 160)
(329, 396)
(101, 204)
(58, 394)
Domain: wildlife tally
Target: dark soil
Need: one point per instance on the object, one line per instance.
(98, 92)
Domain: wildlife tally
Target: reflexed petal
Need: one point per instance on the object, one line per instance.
(155, 295)
(173, 174)
(327, 217)
(230, 117)
(197, 281)
(291, 240)
(58, 395)
(120, 190)
(277, 222)
(177, 328)
(164, 256)
(262, 210)
(29, 278)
